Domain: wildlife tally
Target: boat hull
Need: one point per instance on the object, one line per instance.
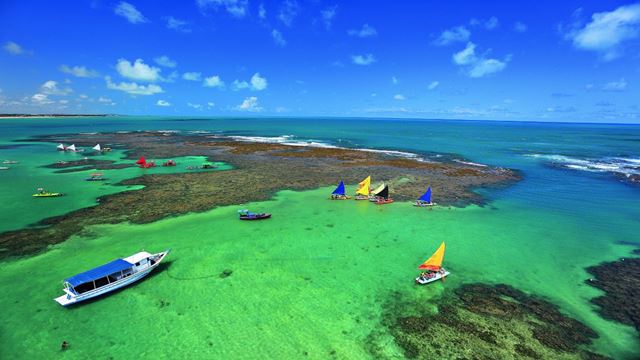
(257, 217)
(361, 197)
(424, 205)
(437, 277)
(47, 195)
(68, 299)
(383, 202)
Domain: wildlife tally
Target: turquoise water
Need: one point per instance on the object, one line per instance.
(570, 211)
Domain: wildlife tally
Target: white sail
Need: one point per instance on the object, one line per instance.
(61, 147)
(97, 148)
(72, 147)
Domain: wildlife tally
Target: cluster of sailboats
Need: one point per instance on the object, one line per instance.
(73, 148)
(379, 196)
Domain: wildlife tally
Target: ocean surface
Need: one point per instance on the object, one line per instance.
(314, 279)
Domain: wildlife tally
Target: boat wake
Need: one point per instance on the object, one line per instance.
(626, 168)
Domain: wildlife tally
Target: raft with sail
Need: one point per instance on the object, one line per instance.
(425, 199)
(364, 189)
(339, 193)
(142, 163)
(382, 197)
(373, 194)
(42, 193)
(433, 269)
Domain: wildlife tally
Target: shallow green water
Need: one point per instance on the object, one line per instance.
(312, 279)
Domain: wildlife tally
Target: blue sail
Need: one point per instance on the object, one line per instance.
(339, 190)
(426, 196)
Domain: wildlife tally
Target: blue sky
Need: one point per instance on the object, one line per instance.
(535, 60)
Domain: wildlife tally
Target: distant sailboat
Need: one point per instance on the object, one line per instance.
(374, 194)
(433, 267)
(142, 162)
(61, 147)
(425, 199)
(364, 187)
(97, 147)
(71, 147)
(383, 197)
(340, 193)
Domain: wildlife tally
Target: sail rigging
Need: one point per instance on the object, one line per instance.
(339, 190)
(378, 189)
(426, 197)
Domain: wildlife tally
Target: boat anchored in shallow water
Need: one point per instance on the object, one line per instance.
(364, 189)
(44, 193)
(433, 268)
(425, 199)
(382, 197)
(95, 177)
(109, 277)
(248, 215)
(339, 193)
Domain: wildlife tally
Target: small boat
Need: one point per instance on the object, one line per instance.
(109, 277)
(9, 162)
(425, 199)
(248, 215)
(339, 193)
(61, 147)
(207, 166)
(372, 194)
(169, 163)
(44, 193)
(433, 268)
(382, 197)
(142, 163)
(72, 148)
(95, 177)
(97, 148)
(364, 188)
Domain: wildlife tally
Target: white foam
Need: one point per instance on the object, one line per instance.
(469, 163)
(615, 165)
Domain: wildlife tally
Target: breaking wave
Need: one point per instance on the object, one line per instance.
(620, 166)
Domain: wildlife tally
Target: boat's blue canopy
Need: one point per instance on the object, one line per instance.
(99, 272)
(426, 196)
(340, 189)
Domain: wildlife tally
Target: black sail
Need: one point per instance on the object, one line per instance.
(384, 193)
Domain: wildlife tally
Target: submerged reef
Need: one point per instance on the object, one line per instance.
(481, 321)
(259, 171)
(620, 281)
(86, 164)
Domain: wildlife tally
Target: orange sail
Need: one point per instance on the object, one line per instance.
(435, 261)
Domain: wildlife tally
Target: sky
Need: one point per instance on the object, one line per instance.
(489, 60)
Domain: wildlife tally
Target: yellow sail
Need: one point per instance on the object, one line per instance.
(364, 186)
(435, 261)
(380, 188)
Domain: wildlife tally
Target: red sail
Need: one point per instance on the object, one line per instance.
(141, 161)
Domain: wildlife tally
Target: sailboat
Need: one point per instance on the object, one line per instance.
(61, 147)
(72, 148)
(364, 188)
(383, 197)
(142, 162)
(373, 195)
(425, 199)
(97, 148)
(339, 193)
(433, 268)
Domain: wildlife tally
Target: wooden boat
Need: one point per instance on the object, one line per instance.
(61, 147)
(101, 149)
(169, 163)
(44, 193)
(373, 194)
(433, 268)
(364, 188)
(72, 148)
(425, 199)
(142, 163)
(109, 277)
(339, 193)
(383, 197)
(95, 177)
(248, 215)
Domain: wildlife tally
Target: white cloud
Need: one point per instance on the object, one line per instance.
(63, 101)
(478, 66)
(213, 81)
(489, 24)
(262, 12)
(133, 88)
(192, 76)
(239, 85)
(607, 31)
(394, 80)
(165, 61)
(249, 104)
(327, 16)
(520, 27)
(258, 83)
(456, 34)
(398, 97)
(277, 37)
(195, 106)
(366, 59)
(51, 88)
(434, 84)
(177, 24)
(105, 101)
(138, 70)
(211, 104)
(163, 103)
(366, 31)
(41, 99)
(288, 11)
(466, 56)
(13, 48)
(620, 85)
(237, 8)
(130, 13)
(79, 71)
